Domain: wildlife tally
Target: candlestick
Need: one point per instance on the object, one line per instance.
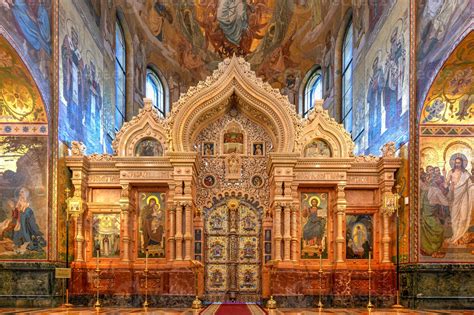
(145, 304)
(97, 270)
(370, 306)
(320, 303)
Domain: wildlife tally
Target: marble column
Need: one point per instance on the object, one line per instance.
(79, 237)
(277, 229)
(125, 207)
(179, 232)
(340, 213)
(386, 237)
(286, 233)
(187, 234)
(294, 237)
(171, 239)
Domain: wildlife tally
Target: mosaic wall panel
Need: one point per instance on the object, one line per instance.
(381, 77)
(82, 113)
(314, 222)
(446, 189)
(24, 197)
(106, 234)
(359, 236)
(152, 224)
(28, 26)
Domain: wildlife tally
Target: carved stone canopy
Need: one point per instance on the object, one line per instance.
(213, 97)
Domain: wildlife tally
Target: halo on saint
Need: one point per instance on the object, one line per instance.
(310, 201)
(458, 156)
(154, 198)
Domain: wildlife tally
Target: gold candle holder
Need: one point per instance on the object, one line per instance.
(370, 306)
(320, 303)
(145, 304)
(196, 304)
(97, 279)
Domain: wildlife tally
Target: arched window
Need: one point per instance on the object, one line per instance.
(347, 79)
(155, 91)
(120, 81)
(313, 90)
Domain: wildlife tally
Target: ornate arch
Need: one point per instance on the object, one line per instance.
(321, 126)
(207, 101)
(147, 124)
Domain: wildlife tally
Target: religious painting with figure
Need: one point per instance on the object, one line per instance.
(24, 203)
(446, 201)
(152, 218)
(314, 221)
(317, 148)
(208, 149)
(106, 235)
(149, 147)
(233, 140)
(359, 236)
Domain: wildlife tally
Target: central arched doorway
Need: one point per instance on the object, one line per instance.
(232, 228)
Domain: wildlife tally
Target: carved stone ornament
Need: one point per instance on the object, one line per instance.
(100, 157)
(148, 124)
(367, 158)
(77, 148)
(319, 125)
(389, 203)
(388, 149)
(233, 166)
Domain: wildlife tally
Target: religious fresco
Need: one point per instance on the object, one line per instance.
(149, 147)
(317, 148)
(82, 113)
(152, 224)
(440, 26)
(359, 236)
(281, 39)
(381, 97)
(106, 234)
(314, 225)
(28, 24)
(451, 97)
(446, 178)
(20, 99)
(23, 187)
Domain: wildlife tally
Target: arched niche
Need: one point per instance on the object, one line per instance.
(146, 126)
(208, 100)
(320, 127)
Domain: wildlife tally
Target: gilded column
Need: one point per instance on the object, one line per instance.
(294, 237)
(286, 232)
(277, 229)
(179, 232)
(340, 213)
(172, 234)
(187, 234)
(125, 207)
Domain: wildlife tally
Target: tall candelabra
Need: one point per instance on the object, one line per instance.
(320, 303)
(97, 280)
(370, 305)
(145, 304)
(397, 207)
(67, 304)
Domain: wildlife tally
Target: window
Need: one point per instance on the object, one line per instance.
(154, 91)
(313, 90)
(120, 102)
(347, 79)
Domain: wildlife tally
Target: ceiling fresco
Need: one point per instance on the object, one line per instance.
(280, 38)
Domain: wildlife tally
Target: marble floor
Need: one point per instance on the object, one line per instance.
(161, 311)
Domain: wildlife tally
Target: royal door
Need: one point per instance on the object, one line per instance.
(232, 260)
